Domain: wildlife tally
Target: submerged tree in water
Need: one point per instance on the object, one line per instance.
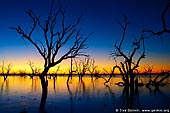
(5, 70)
(56, 35)
(129, 63)
(34, 70)
(164, 30)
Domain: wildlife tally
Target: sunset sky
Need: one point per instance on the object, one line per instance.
(99, 16)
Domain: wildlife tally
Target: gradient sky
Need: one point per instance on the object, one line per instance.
(99, 16)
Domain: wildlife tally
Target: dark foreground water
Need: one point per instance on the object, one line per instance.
(24, 94)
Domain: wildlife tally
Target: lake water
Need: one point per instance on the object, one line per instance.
(24, 94)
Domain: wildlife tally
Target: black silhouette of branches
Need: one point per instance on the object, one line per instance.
(53, 40)
(5, 69)
(56, 35)
(128, 66)
(35, 70)
(165, 28)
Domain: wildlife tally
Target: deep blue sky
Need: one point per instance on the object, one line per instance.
(99, 16)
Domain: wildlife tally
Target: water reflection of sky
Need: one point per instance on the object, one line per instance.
(19, 93)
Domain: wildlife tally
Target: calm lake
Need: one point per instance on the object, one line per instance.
(24, 94)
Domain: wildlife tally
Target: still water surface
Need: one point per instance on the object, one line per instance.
(22, 93)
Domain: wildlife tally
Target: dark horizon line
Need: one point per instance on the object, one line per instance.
(95, 74)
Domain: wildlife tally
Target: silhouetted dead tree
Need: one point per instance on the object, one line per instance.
(31, 64)
(2, 68)
(166, 75)
(5, 70)
(54, 40)
(148, 70)
(83, 67)
(35, 70)
(128, 66)
(92, 68)
(165, 28)
(156, 82)
(80, 67)
(8, 68)
(56, 34)
(71, 71)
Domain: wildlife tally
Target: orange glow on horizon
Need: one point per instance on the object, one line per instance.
(20, 63)
(65, 67)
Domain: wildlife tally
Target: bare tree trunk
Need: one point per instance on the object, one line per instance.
(44, 94)
(53, 40)
(71, 70)
(54, 78)
(132, 77)
(69, 75)
(127, 79)
(5, 76)
(44, 84)
(131, 90)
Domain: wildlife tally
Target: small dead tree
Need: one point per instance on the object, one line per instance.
(148, 71)
(83, 67)
(31, 65)
(71, 70)
(5, 70)
(128, 66)
(80, 67)
(55, 75)
(92, 68)
(2, 68)
(56, 35)
(8, 68)
(35, 70)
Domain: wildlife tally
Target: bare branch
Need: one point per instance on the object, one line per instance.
(124, 30)
(20, 31)
(56, 34)
(127, 66)
(30, 14)
(164, 25)
(113, 73)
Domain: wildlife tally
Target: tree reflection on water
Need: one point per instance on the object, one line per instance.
(24, 94)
